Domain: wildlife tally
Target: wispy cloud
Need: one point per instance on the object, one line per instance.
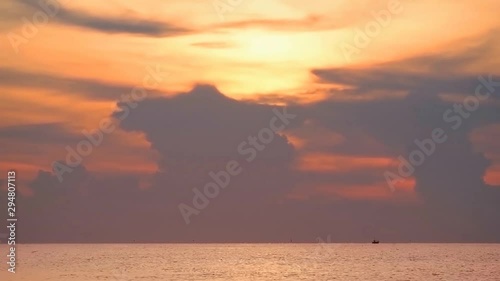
(93, 89)
(118, 24)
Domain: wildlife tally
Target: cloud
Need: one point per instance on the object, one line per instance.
(88, 88)
(45, 133)
(199, 131)
(318, 17)
(450, 182)
(433, 74)
(214, 45)
(212, 125)
(194, 133)
(343, 146)
(125, 24)
(309, 23)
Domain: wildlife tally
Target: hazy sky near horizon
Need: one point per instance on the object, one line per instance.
(361, 97)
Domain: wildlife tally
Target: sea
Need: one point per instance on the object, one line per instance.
(253, 262)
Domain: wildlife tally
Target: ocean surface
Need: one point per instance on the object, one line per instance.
(254, 262)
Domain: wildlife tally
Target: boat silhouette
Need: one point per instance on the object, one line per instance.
(375, 242)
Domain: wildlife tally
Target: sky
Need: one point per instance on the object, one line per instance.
(251, 120)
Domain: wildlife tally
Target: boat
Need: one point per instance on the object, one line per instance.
(375, 242)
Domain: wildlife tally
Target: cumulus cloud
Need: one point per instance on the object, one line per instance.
(199, 131)
(450, 181)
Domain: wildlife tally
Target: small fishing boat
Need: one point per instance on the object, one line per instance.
(375, 242)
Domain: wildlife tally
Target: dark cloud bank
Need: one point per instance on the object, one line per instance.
(200, 131)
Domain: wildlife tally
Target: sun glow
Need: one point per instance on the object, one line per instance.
(268, 46)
